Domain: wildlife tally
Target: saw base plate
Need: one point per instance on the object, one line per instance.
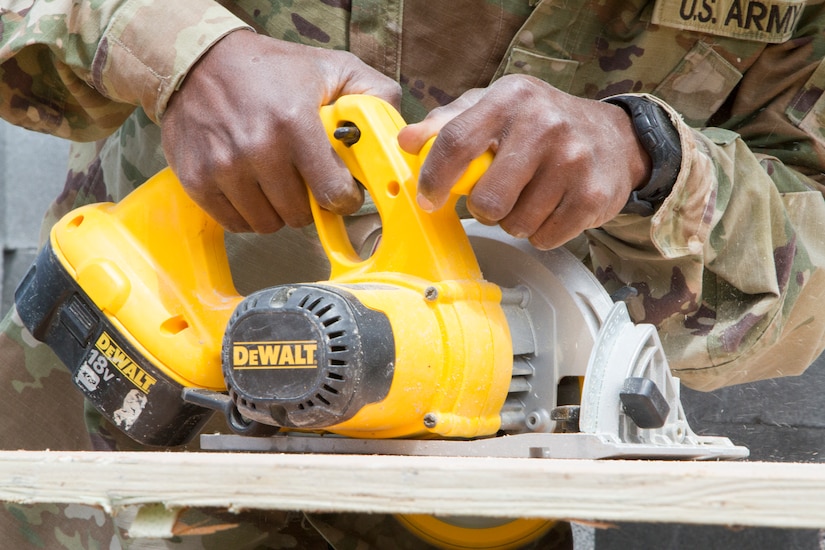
(529, 445)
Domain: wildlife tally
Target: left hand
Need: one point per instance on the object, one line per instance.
(562, 164)
(244, 135)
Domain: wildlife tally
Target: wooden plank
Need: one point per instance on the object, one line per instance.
(720, 493)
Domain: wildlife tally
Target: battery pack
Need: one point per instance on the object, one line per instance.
(121, 383)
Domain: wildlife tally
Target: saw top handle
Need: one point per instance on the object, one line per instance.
(363, 131)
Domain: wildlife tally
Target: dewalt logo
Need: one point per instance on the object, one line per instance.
(297, 354)
(122, 362)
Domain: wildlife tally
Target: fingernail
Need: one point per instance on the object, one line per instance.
(425, 203)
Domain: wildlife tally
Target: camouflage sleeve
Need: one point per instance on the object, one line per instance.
(76, 69)
(731, 267)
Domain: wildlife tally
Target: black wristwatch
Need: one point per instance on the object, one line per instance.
(661, 141)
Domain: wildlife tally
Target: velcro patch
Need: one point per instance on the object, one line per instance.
(770, 21)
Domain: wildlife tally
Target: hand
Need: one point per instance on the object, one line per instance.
(562, 164)
(244, 136)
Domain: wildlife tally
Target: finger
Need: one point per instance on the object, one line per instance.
(324, 171)
(457, 144)
(563, 224)
(375, 84)
(536, 202)
(248, 199)
(228, 216)
(570, 200)
(359, 78)
(412, 138)
(286, 191)
(223, 212)
(232, 190)
(205, 192)
(496, 193)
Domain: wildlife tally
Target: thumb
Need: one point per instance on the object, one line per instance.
(412, 138)
(417, 139)
(363, 79)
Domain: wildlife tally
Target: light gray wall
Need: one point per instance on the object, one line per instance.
(32, 173)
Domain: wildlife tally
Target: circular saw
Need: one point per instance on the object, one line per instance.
(451, 338)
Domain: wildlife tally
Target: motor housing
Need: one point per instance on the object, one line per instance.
(306, 356)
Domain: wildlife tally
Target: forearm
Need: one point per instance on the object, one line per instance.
(730, 268)
(77, 70)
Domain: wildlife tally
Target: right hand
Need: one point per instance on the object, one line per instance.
(562, 164)
(244, 135)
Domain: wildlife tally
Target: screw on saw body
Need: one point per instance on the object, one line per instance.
(348, 134)
(430, 420)
(538, 421)
(431, 294)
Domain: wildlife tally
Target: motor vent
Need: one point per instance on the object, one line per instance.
(306, 356)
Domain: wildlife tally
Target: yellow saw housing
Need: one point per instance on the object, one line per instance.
(153, 295)
(452, 358)
(451, 338)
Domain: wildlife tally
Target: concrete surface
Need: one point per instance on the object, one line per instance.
(32, 172)
(779, 420)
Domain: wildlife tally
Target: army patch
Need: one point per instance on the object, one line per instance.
(771, 21)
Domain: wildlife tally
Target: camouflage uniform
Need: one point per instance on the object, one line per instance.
(728, 268)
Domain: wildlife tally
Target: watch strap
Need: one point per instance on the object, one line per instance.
(660, 139)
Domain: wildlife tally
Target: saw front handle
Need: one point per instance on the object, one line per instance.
(432, 246)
